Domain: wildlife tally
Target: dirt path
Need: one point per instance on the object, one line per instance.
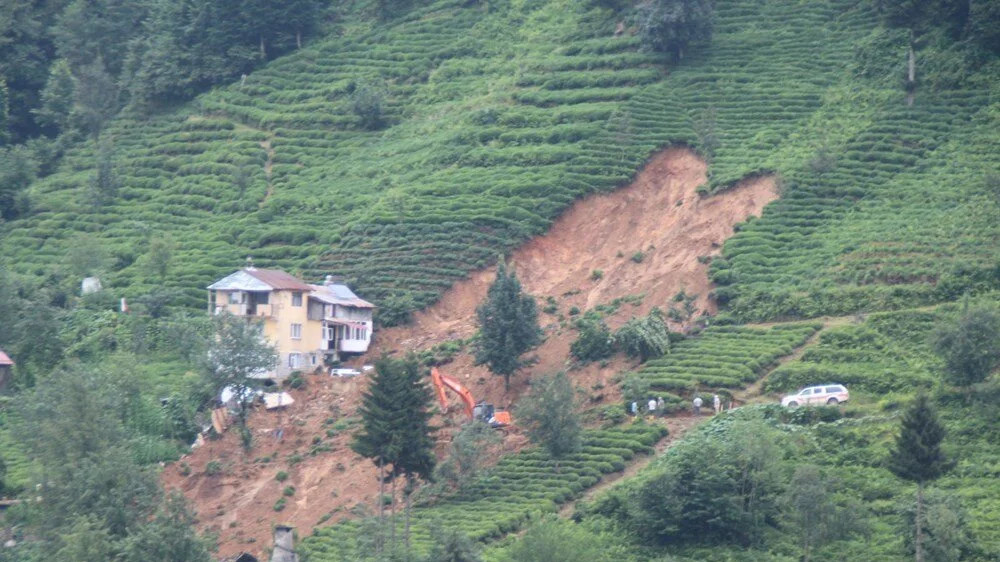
(268, 165)
(677, 426)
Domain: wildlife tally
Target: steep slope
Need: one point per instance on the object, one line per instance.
(661, 213)
(496, 121)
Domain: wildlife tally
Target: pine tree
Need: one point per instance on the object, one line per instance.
(415, 459)
(508, 321)
(382, 416)
(57, 98)
(918, 457)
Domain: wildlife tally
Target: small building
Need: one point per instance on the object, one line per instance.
(6, 369)
(306, 323)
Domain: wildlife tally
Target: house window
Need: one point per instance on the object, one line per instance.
(235, 297)
(312, 359)
(296, 299)
(296, 331)
(294, 360)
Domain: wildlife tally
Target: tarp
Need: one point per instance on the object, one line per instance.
(228, 394)
(274, 400)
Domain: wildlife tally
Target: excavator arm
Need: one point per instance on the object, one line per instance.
(444, 381)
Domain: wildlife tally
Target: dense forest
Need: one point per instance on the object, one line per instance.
(401, 145)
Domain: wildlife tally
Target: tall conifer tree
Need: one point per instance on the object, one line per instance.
(918, 457)
(375, 439)
(508, 321)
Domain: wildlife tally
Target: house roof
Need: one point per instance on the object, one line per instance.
(5, 359)
(338, 293)
(254, 279)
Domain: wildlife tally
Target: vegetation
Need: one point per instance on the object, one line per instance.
(669, 26)
(594, 342)
(644, 338)
(236, 359)
(723, 357)
(395, 432)
(505, 497)
(917, 457)
(508, 325)
(971, 346)
(408, 143)
(549, 413)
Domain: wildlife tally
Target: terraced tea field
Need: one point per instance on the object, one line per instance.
(506, 497)
(487, 137)
(722, 357)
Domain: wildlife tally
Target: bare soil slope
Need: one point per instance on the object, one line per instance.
(660, 215)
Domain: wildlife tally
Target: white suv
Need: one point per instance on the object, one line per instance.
(831, 394)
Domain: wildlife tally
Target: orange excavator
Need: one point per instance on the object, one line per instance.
(475, 410)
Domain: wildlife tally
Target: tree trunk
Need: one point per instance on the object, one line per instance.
(407, 491)
(298, 39)
(381, 505)
(911, 70)
(919, 542)
(263, 51)
(392, 512)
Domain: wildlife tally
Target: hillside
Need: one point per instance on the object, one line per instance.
(661, 209)
(822, 218)
(487, 139)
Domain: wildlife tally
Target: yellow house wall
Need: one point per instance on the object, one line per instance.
(278, 327)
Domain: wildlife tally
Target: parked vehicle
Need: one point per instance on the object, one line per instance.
(831, 394)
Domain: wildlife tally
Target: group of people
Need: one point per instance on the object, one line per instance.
(654, 407)
(716, 404)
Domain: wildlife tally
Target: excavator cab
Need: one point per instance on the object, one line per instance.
(483, 411)
(486, 413)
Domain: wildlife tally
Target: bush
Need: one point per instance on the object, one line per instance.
(281, 476)
(644, 337)
(212, 468)
(594, 342)
(366, 102)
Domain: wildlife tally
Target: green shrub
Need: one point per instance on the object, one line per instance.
(644, 337)
(594, 341)
(213, 468)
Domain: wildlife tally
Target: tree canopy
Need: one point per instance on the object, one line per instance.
(508, 323)
(669, 26)
(549, 413)
(970, 346)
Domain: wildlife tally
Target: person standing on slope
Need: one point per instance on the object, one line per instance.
(697, 405)
(716, 404)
